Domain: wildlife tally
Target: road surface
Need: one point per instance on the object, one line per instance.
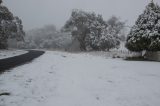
(12, 62)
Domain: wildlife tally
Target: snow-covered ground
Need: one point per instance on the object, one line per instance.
(11, 53)
(64, 79)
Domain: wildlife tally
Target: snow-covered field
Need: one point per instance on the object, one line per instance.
(11, 53)
(65, 79)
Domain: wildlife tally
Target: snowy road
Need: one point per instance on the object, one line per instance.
(64, 79)
(11, 53)
(8, 63)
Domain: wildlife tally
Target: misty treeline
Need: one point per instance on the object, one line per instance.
(47, 37)
(83, 31)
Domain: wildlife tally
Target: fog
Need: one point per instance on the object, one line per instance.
(37, 13)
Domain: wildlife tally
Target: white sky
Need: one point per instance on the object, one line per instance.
(37, 13)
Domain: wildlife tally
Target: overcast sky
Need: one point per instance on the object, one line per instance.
(37, 13)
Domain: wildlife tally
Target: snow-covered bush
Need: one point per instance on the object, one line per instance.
(113, 33)
(10, 27)
(93, 32)
(145, 34)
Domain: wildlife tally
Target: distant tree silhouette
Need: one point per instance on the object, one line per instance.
(0, 1)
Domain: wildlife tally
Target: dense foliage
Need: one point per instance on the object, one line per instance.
(92, 32)
(10, 27)
(145, 34)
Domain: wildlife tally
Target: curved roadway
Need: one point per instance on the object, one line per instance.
(12, 62)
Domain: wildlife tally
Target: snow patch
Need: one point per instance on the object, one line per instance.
(65, 79)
